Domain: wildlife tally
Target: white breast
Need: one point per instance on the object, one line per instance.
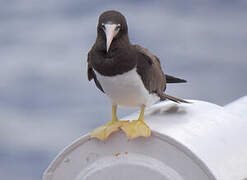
(127, 89)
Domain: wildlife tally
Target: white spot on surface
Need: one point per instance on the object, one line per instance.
(67, 160)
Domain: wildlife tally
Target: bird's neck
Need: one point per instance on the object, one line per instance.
(117, 45)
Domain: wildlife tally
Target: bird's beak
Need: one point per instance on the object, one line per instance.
(110, 33)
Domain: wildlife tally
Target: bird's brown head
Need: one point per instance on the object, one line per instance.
(112, 25)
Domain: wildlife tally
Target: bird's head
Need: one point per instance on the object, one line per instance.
(111, 26)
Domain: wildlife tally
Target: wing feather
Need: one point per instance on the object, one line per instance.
(148, 67)
(91, 74)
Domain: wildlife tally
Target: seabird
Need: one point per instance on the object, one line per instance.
(128, 74)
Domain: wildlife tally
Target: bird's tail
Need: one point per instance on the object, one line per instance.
(172, 79)
(177, 100)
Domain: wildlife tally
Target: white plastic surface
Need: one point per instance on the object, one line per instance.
(238, 107)
(199, 141)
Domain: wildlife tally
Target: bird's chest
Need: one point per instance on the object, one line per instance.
(126, 89)
(113, 64)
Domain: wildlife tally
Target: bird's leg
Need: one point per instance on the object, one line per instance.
(104, 131)
(137, 128)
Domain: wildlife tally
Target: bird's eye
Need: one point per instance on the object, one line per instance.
(118, 27)
(103, 26)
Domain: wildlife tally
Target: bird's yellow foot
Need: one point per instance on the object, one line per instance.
(136, 128)
(106, 130)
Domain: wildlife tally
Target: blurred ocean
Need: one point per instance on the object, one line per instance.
(45, 98)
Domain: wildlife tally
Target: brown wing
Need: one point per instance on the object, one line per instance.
(152, 58)
(148, 67)
(91, 74)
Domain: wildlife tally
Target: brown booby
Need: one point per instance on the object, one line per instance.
(129, 74)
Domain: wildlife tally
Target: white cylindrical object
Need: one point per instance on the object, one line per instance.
(198, 141)
(238, 107)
